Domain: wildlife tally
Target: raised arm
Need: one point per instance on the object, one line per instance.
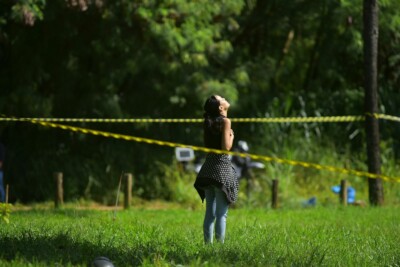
(227, 135)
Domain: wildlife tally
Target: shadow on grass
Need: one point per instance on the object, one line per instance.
(63, 249)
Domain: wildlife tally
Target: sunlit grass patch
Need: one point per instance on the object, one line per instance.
(336, 236)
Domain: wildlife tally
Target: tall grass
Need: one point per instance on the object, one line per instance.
(255, 237)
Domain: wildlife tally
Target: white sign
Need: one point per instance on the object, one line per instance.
(184, 154)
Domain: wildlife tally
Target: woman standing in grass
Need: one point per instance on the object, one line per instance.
(216, 181)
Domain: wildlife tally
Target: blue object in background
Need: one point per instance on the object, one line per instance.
(351, 193)
(312, 201)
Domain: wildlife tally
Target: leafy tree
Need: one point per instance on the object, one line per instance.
(147, 58)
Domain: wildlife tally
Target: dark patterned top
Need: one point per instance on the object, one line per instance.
(217, 170)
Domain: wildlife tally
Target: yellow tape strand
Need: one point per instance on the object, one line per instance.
(208, 150)
(240, 120)
(387, 117)
(99, 120)
(301, 119)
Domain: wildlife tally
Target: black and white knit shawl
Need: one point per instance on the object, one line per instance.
(218, 170)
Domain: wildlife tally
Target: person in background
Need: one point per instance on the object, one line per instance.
(2, 156)
(217, 182)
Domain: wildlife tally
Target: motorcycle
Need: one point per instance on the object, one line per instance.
(243, 165)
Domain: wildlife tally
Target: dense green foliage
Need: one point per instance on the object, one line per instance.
(124, 59)
(309, 237)
(5, 210)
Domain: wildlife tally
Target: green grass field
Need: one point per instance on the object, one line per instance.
(335, 236)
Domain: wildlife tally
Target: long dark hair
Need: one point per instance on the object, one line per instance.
(212, 116)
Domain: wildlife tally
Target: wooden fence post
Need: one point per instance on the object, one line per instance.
(7, 188)
(275, 184)
(128, 190)
(59, 197)
(343, 192)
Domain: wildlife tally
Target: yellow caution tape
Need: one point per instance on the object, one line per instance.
(208, 150)
(102, 120)
(301, 119)
(253, 120)
(387, 117)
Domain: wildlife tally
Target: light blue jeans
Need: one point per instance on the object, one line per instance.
(216, 210)
(2, 193)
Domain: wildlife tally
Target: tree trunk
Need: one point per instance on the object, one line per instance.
(371, 98)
